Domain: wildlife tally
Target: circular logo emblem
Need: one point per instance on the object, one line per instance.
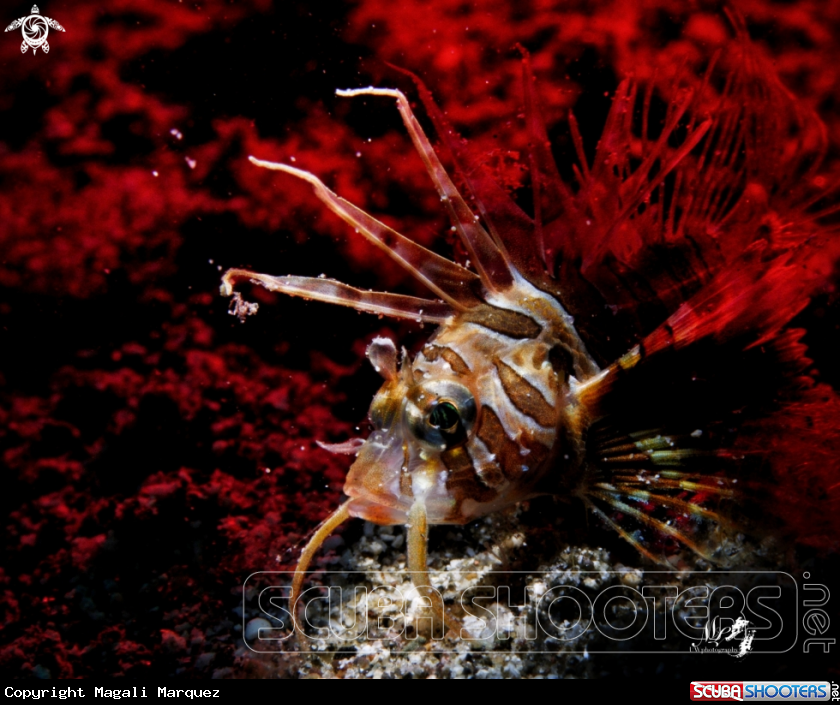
(35, 29)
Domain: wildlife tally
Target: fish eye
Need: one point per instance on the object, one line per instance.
(445, 416)
(440, 414)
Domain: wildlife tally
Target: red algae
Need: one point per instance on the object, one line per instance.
(157, 452)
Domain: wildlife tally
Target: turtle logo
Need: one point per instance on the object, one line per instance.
(35, 29)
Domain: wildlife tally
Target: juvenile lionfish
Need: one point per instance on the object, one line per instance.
(692, 242)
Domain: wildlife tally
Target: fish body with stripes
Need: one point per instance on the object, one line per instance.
(517, 394)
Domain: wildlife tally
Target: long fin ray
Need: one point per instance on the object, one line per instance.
(650, 522)
(448, 280)
(331, 291)
(491, 263)
(634, 542)
(509, 226)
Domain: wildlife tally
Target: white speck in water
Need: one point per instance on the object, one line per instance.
(453, 229)
(155, 174)
(358, 154)
(292, 159)
(190, 162)
(525, 468)
(176, 134)
(697, 433)
(322, 276)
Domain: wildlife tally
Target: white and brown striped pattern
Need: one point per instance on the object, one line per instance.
(505, 343)
(510, 353)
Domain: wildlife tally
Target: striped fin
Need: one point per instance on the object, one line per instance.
(661, 491)
(744, 307)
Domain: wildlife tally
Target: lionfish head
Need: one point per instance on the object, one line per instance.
(423, 427)
(472, 422)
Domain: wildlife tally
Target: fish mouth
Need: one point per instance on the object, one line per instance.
(390, 475)
(375, 482)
